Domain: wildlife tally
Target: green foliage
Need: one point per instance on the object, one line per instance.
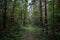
(54, 17)
(20, 15)
(11, 33)
(36, 17)
(36, 12)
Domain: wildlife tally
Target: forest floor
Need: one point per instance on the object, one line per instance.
(31, 33)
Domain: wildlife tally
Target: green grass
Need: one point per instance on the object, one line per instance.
(29, 27)
(35, 30)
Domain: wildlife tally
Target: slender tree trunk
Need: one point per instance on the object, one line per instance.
(53, 28)
(24, 20)
(45, 12)
(4, 14)
(21, 18)
(46, 24)
(41, 19)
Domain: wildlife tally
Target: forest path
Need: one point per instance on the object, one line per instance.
(29, 33)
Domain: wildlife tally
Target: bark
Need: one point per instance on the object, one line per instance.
(24, 20)
(45, 12)
(46, 24)
(41, 19)
(53, 28)
(21, 18)
(46, 21)
(4, 14)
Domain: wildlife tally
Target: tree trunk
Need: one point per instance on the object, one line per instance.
(53, 28)
(25, 13)
(4, 14)
(46, 24)
(41, 19)
(45, 21)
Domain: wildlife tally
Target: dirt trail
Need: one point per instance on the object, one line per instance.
(28, 35)
(31, 36)
(31, 33)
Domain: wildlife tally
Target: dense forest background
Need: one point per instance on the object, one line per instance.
(29, 19)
